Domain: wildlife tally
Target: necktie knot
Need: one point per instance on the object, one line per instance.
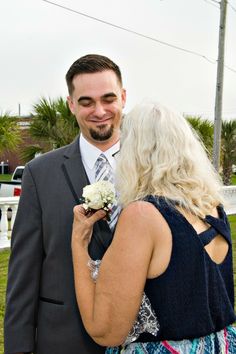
(103, 170)
(101, 158)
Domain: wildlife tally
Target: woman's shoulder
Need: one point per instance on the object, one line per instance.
(141, 213)
(139, 208)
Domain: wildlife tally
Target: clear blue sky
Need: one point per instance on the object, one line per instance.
(40, 41)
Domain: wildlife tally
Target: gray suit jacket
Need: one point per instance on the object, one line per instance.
(41, 310)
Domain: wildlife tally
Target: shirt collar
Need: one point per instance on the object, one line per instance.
(90, 153)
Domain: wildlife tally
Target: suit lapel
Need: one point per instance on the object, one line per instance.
(76, 179)
(74, 171)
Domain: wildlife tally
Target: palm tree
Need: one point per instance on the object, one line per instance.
(205, 130)
(228, 149)
(29, 152)
(53, 124)
(9, 132)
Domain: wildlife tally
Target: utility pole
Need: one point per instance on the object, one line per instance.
(219, 86)
(19, 110)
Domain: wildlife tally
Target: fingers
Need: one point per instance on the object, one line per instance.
(98, 215)
(81, 214)
(79, 209)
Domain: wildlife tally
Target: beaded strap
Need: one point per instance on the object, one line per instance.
(146, 320)
(94, 268)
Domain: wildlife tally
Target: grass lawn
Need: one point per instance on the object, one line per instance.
(233, 179)
(5, 178)
(232, 220)
(4, 256)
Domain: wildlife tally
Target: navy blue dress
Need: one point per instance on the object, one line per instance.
(194, 298)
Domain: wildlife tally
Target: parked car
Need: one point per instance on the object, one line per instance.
(18, 174)
(12, 188)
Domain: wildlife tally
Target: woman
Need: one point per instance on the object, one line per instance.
(172, 241)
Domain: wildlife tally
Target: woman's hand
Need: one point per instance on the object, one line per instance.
(83, 225)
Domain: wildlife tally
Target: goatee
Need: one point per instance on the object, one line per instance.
(101, 134)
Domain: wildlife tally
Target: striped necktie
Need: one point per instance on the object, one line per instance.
(103, 171)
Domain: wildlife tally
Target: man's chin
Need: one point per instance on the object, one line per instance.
(103, 133)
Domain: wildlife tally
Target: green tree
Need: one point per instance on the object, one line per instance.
(9, 132)
(205, 130)
(228, 149)
(53, 125)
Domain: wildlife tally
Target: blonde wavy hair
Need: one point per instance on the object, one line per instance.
(161, 155)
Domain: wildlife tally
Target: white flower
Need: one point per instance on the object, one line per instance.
(99, 195)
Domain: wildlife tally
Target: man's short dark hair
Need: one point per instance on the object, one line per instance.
(91, 63)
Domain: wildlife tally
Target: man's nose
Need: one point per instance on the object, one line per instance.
(99, 110)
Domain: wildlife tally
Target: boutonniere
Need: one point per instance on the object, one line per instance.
(99, 195)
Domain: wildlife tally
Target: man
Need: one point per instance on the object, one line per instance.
(41, 311)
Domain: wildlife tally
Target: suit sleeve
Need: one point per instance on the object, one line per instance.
(24, 271)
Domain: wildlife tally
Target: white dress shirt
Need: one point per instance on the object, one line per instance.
(90, 154)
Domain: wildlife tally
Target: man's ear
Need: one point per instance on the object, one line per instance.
(71, 104)
(123, 97)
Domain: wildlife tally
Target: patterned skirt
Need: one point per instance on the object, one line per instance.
(222, 342)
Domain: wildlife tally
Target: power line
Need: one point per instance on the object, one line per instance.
(232, 7)
(212, 61)
(227, 67)
(213, 4)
